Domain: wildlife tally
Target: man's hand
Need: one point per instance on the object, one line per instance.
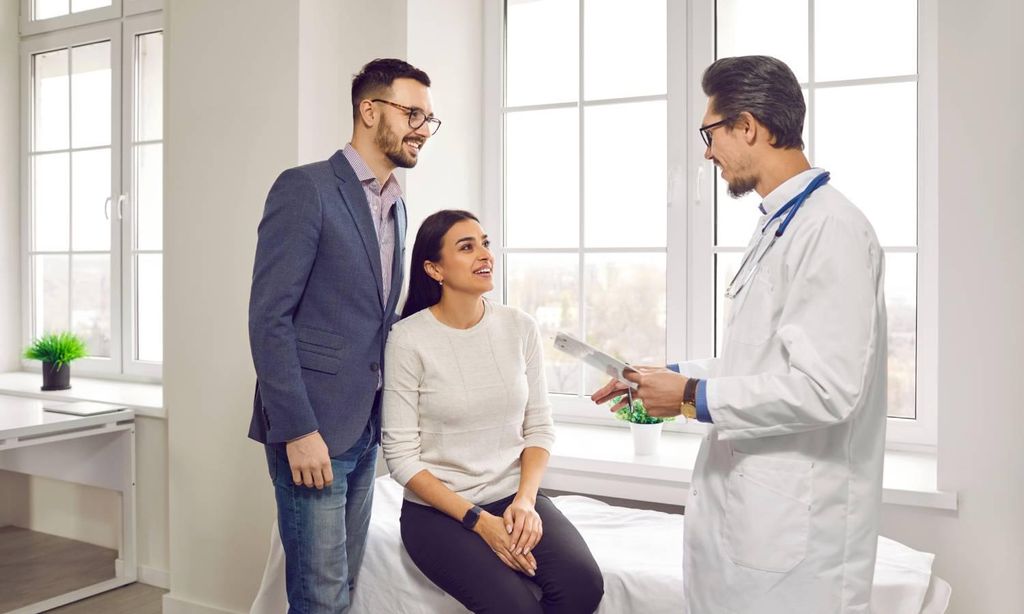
(310, 462)
(660, 389)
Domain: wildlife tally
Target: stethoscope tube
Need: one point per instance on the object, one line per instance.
(789, 210)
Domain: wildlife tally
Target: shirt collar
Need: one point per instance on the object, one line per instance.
(787, 190)
(366, 176)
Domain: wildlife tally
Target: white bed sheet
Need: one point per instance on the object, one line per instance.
(639, 551)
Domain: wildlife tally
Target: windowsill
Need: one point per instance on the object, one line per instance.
(599, 460)
(146, 399)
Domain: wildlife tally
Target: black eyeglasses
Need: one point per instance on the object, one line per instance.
(705, 131)
(416, 116)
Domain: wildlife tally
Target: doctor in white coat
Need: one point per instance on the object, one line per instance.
(782, 514)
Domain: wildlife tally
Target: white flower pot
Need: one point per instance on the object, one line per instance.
(645, 438)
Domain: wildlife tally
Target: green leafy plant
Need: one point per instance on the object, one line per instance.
(57, 349)
(637, 413)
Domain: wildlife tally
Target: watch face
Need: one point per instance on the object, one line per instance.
(472, 516)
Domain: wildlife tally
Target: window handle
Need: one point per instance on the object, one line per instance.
(120, 206)
(106, 208)
(676, 193)
(700, 184)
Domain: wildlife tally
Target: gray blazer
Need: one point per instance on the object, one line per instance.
(317, 319)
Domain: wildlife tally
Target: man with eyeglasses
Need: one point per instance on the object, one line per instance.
(782, 513)
(327, 276)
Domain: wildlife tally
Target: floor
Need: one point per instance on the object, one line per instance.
(35, 566)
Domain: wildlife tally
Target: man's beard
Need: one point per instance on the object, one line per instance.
(741, 186)
(392, 146)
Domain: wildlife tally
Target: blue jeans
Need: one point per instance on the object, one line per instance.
(324, 531)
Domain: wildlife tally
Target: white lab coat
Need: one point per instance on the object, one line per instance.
(782, 514)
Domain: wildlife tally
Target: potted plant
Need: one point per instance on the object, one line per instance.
(56, 351)
(646, 429)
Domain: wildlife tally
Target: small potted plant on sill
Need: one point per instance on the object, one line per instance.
(646, 429)
(56, 351)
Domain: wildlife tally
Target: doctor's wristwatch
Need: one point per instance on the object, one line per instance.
(688, 407)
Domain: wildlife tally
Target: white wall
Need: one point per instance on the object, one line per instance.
(322, 81)
(235, 119)
(10, 145)
(449, 174)
(980, 549)
(231, 115)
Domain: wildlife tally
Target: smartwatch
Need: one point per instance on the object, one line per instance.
(471, 518)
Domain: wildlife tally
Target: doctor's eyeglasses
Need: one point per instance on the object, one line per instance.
(416, 116)
(705, 131)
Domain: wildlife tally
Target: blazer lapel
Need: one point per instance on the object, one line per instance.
(355, 199)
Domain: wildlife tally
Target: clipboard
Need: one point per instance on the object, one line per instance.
(605, 363)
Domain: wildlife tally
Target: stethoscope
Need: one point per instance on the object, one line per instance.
(789, 210)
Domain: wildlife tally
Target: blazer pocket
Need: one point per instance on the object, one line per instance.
(315, 336)
(319, 362)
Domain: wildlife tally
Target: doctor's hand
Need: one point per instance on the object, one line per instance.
(494, 530)
(661, 391)
(310, 461)
(616, 388)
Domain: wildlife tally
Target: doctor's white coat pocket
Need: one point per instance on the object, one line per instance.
(752, 313)
(767, 512)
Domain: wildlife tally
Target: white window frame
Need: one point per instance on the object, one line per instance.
(61, 33)
(132, 27)
(82, 35)
(690, 317)
(31, 26)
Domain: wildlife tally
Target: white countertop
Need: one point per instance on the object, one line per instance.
(144, 399)
(21, 417)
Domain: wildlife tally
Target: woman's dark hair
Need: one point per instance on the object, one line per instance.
(424, 291)
(764, 87)
(378, 75)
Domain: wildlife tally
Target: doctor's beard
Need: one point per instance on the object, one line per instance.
(741, 186)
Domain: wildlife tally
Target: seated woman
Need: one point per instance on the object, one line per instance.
(467, 430)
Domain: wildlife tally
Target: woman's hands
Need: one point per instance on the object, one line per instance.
(498, 533)
(525, 523)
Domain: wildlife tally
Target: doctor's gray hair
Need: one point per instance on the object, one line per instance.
(762, 86)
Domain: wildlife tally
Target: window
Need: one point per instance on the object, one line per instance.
(92, 187)
(586, 163)
(614, 227)
(863, 107)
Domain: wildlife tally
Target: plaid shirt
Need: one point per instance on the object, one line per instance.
(382, 200)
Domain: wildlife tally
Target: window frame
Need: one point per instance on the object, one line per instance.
(118, 29)
(679, 314)
(133, 27)
(690, 311)
(31, 26)
(52, 41)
